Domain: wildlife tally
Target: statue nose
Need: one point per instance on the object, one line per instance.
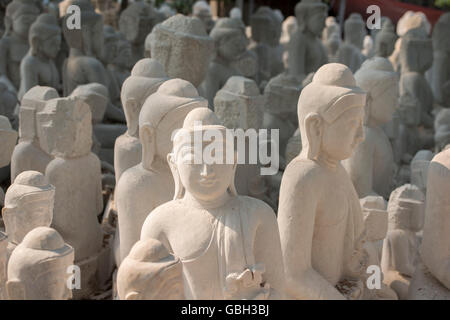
(206, 171)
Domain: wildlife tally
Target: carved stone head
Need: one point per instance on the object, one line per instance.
(162, 113)
(137, 21)
(385, 40)
(150, 272)
(229, 38)
(20, 15)
(281, 95)
(45, 36)
(311, 15)
(8, 139)
(266, 26)
(28, 205)
(375, 217)
(416, 51)
(239, 104)
(96, 96)
(406, 208)
(37, 268)
(180, 39)
(355, 30)
(65, 128)
(330, 113)
(202, 11)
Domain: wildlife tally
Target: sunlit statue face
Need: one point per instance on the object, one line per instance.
(343, 135)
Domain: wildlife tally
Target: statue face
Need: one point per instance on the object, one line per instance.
(34, 210)
(205, 182)
(50, 47)
(383, 105)
(232, 46)
(22, 23)
(316, 22)
(341, 137)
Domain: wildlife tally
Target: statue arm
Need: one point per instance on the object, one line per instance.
(153, 228)
(296, 216)
(268, 252)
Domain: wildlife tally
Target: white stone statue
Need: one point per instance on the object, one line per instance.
(8, 139)
(266, 32)
(65, 131)
(136, 22)
(416, 57)
(371, 167)
(83, 65)
(180, 39)
(37, 269)
(150, 272)
(202, 11)
(149, 184)
(28, 204)
(319, 214)
(19, 16)
(38, 66)
(293, 147)
(135, 90)
(441, 57)
(230, 43)
(350, 51)
(306, 51)
(406, 215)
(235, 253)
(435, 245)
(28, 154)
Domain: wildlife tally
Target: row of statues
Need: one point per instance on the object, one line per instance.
(101, 179)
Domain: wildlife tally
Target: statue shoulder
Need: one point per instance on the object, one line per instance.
(302, 170)
(442, 158)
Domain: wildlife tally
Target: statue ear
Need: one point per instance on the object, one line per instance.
(132, 115)
(133, 295)
(148, 142)
(314, 131)
(179, 190)
(15, 290)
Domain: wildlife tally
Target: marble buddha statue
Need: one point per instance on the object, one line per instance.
(400, 247)
(149, 184)
(37, 269)
(38, 67)
(85, 49)
(236, 252)
(319, 214)
(28, 205)
(180, 39)
(416, 57)
(14, 45)
(230, 42)
(371, 166)
(150, 272)
(202, 11)
(385, 40)
(350, 51)
(306, 51)
(135, 90)
(266, 33)
(441, 57)
(65, 131)
(28, 154)
(136, 22)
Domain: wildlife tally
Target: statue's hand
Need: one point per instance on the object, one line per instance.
(352, 289)
(247, 285)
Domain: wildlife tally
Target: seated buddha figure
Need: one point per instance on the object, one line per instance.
(235, 252)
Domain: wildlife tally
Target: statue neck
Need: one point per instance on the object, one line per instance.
(217, 202)
(325, 160)
(158, 165)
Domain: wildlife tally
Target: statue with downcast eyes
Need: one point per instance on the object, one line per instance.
(306, 51)
(372, 164)
(37, 269)
(28, 205)
(150, 272)
(86, 46)
(349, 52)
(38, 66)
(319, 214)
(65, 131)
(28, 154)
(19, 16)
(149, 184)
(236, 252)
(406, 215)
(136, 22)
